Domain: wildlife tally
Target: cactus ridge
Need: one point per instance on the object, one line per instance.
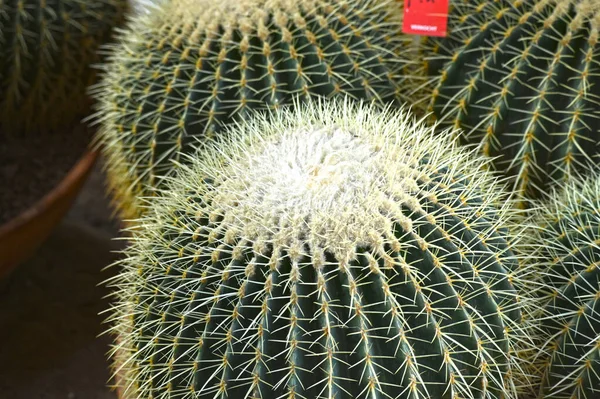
(521, 78)
(191, 66)
(571, 322)
(331, 250)
(46, 49)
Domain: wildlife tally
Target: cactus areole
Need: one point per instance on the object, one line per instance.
(522, 79)
(330, 252)
(189, 67)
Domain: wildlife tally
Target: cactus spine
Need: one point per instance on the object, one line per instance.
(331, 250)
(46, 48)
(191, 66)
(571, 323)
(521, 78)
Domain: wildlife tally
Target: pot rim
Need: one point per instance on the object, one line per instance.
(75, 173)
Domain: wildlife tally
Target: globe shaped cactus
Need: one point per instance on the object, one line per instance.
(570, 361)
(521, 79)
(331, 250)
(47, 48)
(188, 67)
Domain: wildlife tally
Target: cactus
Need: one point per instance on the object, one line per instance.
(46, 49)
(331, 249)
(520, 78)
(571, 323)
(189, 67)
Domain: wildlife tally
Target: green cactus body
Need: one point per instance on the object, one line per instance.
(572, 279)
(521, 78)
(46, 49)
(331, 251)
(191, 66)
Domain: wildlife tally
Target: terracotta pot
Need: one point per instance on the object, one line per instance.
(21, 236)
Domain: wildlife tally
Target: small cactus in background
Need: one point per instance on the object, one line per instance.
(330, 250)
(46, 48)
(521, 79)
(571, 275)
(188, 67)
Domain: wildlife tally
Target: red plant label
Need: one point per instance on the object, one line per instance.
(425, 17)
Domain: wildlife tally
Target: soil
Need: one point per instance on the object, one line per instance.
(32, 165)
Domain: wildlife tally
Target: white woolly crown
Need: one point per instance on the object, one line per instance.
(330, 176)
